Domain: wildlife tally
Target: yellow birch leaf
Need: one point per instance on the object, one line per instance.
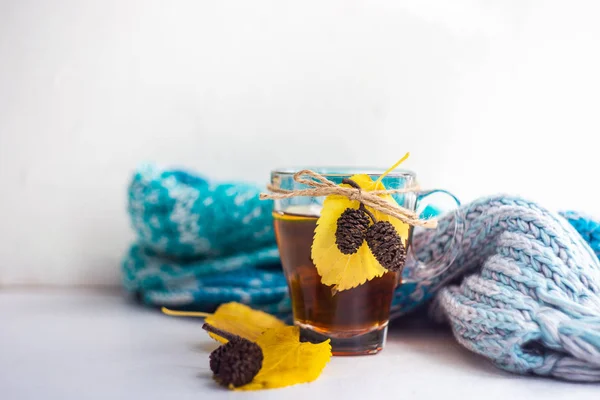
(242, 320)
(287, 361)
(347, 271)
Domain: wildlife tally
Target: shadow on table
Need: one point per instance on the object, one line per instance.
(418, 323)
(436, 342)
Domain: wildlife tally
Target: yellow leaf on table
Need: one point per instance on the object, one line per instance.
(287, 361)
(242, 320)
(346, 271)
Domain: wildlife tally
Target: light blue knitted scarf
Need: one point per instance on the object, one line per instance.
(523, 289)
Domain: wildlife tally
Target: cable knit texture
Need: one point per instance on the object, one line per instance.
(529, 300)
(522, 288)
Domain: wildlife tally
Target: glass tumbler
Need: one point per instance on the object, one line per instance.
(355, 320)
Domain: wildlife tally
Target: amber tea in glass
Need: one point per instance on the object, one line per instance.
(356, 319)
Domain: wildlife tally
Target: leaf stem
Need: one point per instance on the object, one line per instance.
(167, 311)
(393, 167)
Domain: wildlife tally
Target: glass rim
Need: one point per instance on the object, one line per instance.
(345, 171)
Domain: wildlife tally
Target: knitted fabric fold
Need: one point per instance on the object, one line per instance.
(530, 299)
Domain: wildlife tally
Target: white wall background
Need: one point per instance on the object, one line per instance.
(489, 96)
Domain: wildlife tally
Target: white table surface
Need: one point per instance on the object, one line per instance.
(77, 344)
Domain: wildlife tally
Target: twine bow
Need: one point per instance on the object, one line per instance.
(321, 186)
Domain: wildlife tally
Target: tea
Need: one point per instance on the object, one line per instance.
(343, 315)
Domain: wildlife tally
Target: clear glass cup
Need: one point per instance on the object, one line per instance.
(355, 320)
